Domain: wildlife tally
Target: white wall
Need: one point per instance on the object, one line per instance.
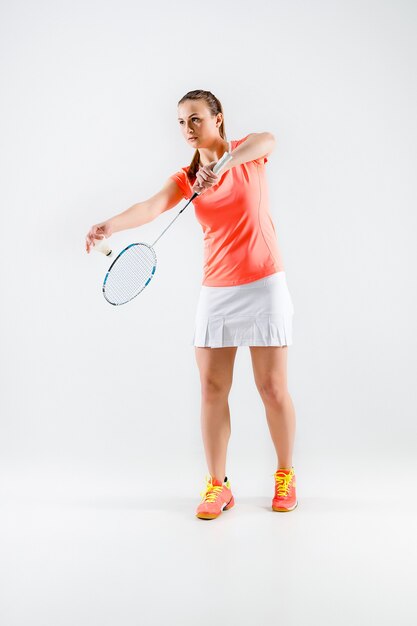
(107, 399)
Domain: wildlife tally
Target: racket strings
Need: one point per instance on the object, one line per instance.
(134, 268)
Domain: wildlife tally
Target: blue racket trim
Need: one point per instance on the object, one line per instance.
(129, 273)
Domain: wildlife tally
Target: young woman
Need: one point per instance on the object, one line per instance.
(244, 298)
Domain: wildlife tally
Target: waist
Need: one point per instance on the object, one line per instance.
(276, 276)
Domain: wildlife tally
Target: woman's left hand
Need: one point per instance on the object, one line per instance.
(205, 178)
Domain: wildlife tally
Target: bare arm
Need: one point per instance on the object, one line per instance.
(146, 211)
(138, 214)
(255, 146)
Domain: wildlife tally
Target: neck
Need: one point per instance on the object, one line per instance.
(213, 152)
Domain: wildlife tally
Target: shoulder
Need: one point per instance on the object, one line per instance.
(182, 180)
(181, 174)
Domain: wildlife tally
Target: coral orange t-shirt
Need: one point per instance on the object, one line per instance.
(240, 242)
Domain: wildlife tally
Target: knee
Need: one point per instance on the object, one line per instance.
(273, 392)
(212, 388)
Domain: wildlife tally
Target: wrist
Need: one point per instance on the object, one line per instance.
(230, 163)
(112, 224)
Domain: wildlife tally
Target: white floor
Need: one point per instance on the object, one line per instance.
(345, 556)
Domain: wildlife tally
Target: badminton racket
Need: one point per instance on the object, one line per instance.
(135, 266)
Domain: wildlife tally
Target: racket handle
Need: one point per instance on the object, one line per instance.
(101, 245)
(222, 161)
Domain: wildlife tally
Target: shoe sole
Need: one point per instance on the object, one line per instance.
(284, 510)
(214, 515)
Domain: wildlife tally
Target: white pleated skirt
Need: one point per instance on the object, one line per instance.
(259, 313)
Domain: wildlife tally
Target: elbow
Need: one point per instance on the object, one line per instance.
(271, 141)
(271, 137)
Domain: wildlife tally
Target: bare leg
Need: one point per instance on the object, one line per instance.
(270, 372)
(216, 375)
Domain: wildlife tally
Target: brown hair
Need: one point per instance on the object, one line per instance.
(215, 107)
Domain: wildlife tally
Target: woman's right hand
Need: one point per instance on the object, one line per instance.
(205, 178)
(98, 231)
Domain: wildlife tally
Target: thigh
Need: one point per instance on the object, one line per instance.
(216, 365)
(269, 365)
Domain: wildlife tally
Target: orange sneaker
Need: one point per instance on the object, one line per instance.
(285, 498)
(216, 497)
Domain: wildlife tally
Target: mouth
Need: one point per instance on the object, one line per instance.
(192, 138)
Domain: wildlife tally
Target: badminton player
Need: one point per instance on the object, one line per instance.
(244, 298)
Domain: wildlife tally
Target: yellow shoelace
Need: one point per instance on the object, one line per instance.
(210, 493)
(283, 483)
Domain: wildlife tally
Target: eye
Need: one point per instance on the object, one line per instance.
(193, 118)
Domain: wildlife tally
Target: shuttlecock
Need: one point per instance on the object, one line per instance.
(101, 245)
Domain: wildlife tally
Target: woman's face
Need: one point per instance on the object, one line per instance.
(198, 126)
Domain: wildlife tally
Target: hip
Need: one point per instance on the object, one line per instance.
(266, 296)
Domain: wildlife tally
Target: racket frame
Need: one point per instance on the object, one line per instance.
(139, 243)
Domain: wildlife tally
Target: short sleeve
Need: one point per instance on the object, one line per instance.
(182, 181)
(261, 161)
